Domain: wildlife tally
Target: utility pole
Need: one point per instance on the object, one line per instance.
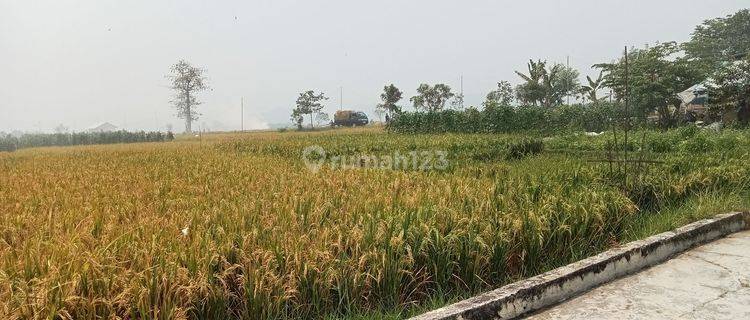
(462, 91)
(341, 98)
(242, 113)
(567, 64)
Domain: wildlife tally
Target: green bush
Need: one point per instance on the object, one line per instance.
(524, 148)
(661, 144)
(699, 143)
(496, 118)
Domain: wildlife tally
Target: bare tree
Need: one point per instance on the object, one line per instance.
(322, 118)
(187, 81)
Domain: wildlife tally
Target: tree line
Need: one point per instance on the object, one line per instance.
(503, 118)
(716, 56)
(11, 143)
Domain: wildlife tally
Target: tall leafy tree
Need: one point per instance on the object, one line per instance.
(532, 90)
(720, 40)
(431, 98)
(458, 101)
(390, 97)
(546, 86)
(297, 118)
(503, 95)
(308, 103)
(564, 84)
(187, 81)
(730, 89)
(654, 79)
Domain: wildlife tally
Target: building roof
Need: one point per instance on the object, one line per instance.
(102, 127)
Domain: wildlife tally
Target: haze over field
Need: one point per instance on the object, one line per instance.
(85, 62)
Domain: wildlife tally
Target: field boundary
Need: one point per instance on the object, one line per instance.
(550, 288)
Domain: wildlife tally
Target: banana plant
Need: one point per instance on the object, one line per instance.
(590, 90)
(533, 90)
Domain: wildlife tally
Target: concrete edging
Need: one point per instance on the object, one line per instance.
(547, 289)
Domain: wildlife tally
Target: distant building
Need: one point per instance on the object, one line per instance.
(104, 127)
(694, 101)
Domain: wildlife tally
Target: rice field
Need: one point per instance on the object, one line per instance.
(236, 226)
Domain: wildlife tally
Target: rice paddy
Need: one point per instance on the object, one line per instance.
(236, 226)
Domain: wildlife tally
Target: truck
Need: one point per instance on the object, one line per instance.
(350, 118)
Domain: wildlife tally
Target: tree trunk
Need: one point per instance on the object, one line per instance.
(743, 112)
(665, 119)
(188, 125)
(311, 121)
(188, 114)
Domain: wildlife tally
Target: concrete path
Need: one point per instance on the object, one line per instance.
(708, 282)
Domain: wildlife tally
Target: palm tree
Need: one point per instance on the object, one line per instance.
(590, 90)
(533, 90)
(543, 85)
(548, 81)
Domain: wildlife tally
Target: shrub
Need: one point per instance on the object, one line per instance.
(524, 148)
(698, 144)
(496, 118)
(661, 144)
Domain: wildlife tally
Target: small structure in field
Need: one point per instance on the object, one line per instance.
(694, 101)
(103, 127)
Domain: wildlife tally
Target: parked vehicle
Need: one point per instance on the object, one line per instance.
(350, 118)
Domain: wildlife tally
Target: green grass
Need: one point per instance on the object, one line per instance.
(702, 205)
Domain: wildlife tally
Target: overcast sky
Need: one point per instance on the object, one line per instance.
(79, 63)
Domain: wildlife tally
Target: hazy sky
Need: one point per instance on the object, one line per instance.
(79, 63)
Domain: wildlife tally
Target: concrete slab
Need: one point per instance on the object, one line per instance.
(708, 282)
